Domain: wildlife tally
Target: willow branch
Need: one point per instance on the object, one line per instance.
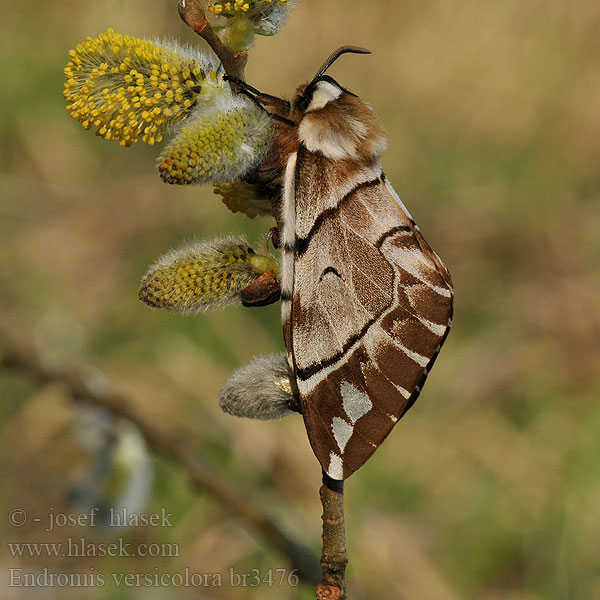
(193, 15)
(334, 558)
(23, 359)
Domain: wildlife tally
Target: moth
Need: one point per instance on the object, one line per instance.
(366, 302)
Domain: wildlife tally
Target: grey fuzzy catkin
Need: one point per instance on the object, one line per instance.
(262, 389)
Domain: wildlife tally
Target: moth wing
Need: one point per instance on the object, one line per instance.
(370, 307)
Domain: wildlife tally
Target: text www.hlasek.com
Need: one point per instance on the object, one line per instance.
(80, 547)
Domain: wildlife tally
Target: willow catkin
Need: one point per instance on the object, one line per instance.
(129, 88)
(218, 145)
(263, 389)
(203, 275)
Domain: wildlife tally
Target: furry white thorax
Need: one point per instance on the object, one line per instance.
(318, 136)
(324, 92)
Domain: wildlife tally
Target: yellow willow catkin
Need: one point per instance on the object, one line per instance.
(203, 275)
(250, 7)
(218, 145)
(237, 22)
(129, 88)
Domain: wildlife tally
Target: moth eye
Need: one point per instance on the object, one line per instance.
(303, 103)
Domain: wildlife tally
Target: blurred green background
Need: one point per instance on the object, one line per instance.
(490, 487)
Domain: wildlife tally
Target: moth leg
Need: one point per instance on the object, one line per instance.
(255, 95)
(270, 114)
(294, 404)
(246, 87)
(274, 237)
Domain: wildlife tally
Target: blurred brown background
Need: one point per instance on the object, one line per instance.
(490, 487)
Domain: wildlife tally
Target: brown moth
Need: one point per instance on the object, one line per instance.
(366, 302)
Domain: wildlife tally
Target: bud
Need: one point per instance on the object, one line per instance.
(237, 22)
(272, 16)
(263, 389)
(130, 88)
(244, 197)
(220, 144)
(203, 275)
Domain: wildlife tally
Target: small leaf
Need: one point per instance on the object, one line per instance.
(241, 196)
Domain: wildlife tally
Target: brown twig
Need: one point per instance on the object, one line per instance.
(334, 558)
(193, 15)
(22, 358)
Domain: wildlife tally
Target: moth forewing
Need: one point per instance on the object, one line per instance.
(369, 310)
(366, 302)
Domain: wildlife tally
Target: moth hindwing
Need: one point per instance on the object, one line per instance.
(366, 302)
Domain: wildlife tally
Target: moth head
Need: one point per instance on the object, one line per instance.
(333, 120)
